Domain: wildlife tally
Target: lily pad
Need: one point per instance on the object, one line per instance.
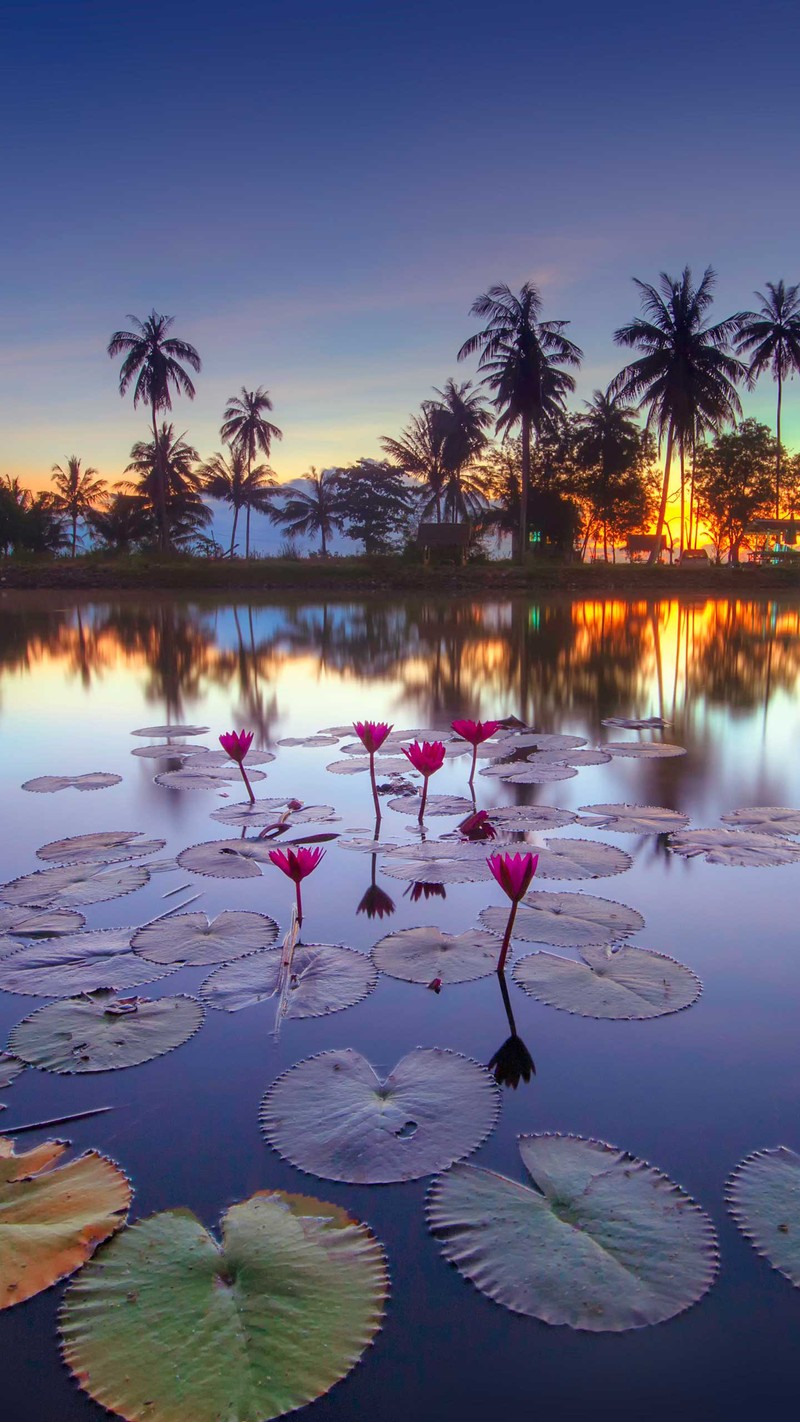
(643, 750)
(763, 1194)
(325, 978)
(436, 804)
(174, 750)
(565, 920)
(168, 1325)
(155, 731)
(77, 962)
(101, 1032)
(191, 940)
(100, 847)
(217, 758)
(530, 772)
(53, 1216)
(633, 819)
(10, 1068)
(74, 885)
(636, 723)
(321, 739)
(521, 818)
(604, 1242)
(623, 982)
(421, 955)
(425, 864)
(580, 859)
(387, 765)
(743, 849)
(333, 1116)
(267, 812)
(204, 779)
(93, 780)
(37, 922)
(765, 819)
(227, 858)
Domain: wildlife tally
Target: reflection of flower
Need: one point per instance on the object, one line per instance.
(477, 826)
(236, 744)
(427, 758)
(425, 891)
(513, 873)
(435, 985)
(371, 734)
(512, 1063)
(376, 904)
(297, 865)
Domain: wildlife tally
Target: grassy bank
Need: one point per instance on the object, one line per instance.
(387, 575)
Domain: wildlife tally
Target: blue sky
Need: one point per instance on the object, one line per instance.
(318, 191)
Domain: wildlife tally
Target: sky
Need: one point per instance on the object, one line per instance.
(318, 191)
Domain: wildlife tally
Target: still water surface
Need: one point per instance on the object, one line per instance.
(693, 1092)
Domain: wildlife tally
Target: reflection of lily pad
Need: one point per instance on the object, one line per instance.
(325, 978)
(78, 962)
(765, 819)
(580, 859)
(101, 1032)
(192, 940)
(634, 819)
(167, 1325)
(436, 804)
(100, 847)
(52, 1219)
(604, 1242)
(156, 731)
(93, 780)
(332, 1115)
(227, 858)
(764, 1198)
(624, 982)
(420, 955)
(566, 920)
(643, 750)
(75, 885)
(743, 849)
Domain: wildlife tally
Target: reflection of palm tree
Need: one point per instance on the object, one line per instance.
(246, 429)
(314, 512)
(771, 338)
(77, 492)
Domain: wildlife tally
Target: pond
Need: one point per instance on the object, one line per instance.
(692, 1091)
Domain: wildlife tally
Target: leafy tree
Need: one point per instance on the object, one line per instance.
(771, 338)
(316, 510)
(153, 361)
(421, 452)
(686, 378)
(522, 359)
(613, 456)
(165, 473)
(77, 492)
(247, 430)
(125, 523)
(374, 504)
(32, 522)
(734, 483)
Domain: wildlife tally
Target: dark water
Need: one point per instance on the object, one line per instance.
(693, 1093)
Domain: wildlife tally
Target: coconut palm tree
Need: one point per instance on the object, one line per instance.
(771, 338)
(420, 452)
(77, 492)
(245, 429)
(164, 470)
(258, 489)
(522, 358)
(464, 418)
(686, 378)
(224, 479)
(610, 449)
(153, 365)
(316, 512)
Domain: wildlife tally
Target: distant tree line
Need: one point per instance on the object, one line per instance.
(507, 456)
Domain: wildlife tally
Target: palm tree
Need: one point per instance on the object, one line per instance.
(224, 479)
(771, 337)
(315, 512)
(257, 495)
(245, 429)
(165, 474)
(420, 451)
(522, 359)
(153, 359)
(464, 418)
(608, 446)
(77, 492)
(686, 378)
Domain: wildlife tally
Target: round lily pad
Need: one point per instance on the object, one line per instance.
(623, 982)
(100, 847)
(101, 1032)
(155, 731)
(74, 884)
(743, 849)
(168, 1325)
(320, 739)
(219, 758)
(10, 1068)
(325, 977)
(174, 750)
(580, 859)
(604, 1242)
(77, 962)
(386, 765)
(210, 778)
(436, 804)
(521, 818)
(565, 920)
(192, 940)
(267, 812)
(93, 780)
(443, 868)
(530, 772)
(53, 1216)
(764, 819)
(643, 750)
(420, 955)
(763, 1194)
(633, 819)
(39, 922)
(333, 1116)
(227, 858)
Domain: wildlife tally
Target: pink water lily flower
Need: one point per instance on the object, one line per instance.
(475, 732)
(427, 758)
(513, 873)
(236, 744)
(297, 864)
(372, 735)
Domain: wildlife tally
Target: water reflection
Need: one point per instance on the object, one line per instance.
(511, 1063)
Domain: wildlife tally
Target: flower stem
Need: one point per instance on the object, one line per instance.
(501, 962)
(424, 799)
(300, 904)
(474, 763)
(247, 784)
(374, 787)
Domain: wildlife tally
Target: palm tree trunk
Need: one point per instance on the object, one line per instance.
(160, 491)
(233, 530)
(247, 534)
(683, 499)
(655, 551)
(778, 453)
(74, 532)
(524, 487)
(249, 492)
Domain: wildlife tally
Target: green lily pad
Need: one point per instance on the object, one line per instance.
(168, 1325)
(325, 977)
(193, 940)
(763, 1194)
(623, 982)
(603, 1242)
(102, 1032)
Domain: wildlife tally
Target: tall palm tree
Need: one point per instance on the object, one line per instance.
(771, 337)
(165, 472)
(245, 428)
(522, 359)
(77, 492)
(608, 444)
(686, 379)
(153, 361)
(258, 489)
(465, 419)
(223, 479)
(315, 512)
(420, 451)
